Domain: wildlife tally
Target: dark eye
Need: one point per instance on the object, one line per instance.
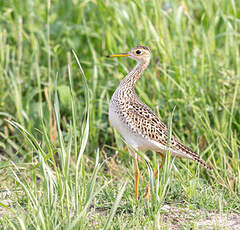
(138, 51)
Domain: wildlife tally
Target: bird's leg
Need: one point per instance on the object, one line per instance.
(160, 166)
(147, 194)
(147, 191)
(137, 172)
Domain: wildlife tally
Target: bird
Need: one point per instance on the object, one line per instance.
(139, 126)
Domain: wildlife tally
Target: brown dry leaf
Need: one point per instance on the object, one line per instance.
(52, 119)
(115, 169)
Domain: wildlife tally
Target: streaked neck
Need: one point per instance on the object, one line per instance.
(132, 77)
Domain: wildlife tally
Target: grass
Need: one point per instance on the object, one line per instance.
(62, 166)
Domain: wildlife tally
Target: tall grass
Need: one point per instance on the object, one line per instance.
(62, 165)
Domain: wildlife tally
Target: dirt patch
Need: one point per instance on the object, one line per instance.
(174, 217)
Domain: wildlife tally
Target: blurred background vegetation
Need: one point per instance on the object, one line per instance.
(195, 72)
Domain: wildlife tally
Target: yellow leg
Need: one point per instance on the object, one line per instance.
(137, 172)
(147, 191)
(160, 166)
(147, 194)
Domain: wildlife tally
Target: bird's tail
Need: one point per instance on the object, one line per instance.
(192, 155)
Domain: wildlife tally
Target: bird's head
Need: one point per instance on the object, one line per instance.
(141, 54)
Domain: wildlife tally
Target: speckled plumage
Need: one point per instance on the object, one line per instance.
(136, 122)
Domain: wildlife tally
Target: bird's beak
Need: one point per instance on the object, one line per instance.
(118, 55)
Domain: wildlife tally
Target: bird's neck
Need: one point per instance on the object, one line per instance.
(132, 77)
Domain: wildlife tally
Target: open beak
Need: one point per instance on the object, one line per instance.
(118, 55)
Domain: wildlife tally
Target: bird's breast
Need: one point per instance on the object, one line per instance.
(132, 138)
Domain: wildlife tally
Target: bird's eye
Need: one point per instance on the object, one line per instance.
(138, 51)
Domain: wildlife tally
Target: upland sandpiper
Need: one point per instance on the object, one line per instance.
(137, 123)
